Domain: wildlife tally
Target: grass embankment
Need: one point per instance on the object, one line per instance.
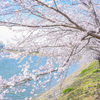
(86, 86)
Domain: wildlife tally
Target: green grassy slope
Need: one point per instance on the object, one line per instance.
(87, 85)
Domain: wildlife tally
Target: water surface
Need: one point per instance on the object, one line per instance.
(9, 67)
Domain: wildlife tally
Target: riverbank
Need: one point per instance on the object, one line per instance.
(86, 86)
(56, 92)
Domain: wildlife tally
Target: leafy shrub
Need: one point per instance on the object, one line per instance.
(68, 90)
(96, 70)
(85, 70)
(91, 67)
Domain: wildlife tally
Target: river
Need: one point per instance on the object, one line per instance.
(9, 67)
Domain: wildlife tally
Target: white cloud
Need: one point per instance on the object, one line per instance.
(6, 34)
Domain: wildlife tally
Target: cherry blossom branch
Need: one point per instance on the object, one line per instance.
(31, 26)
(94, 13)
(93, 34)
(55, 4)
(79, 27)
(25, 80)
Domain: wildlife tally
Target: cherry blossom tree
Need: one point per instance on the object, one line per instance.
(65, 31)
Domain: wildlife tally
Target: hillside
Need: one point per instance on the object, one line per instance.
(86, 86)
(80, 85)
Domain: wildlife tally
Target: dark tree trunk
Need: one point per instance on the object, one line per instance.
(98, 61)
